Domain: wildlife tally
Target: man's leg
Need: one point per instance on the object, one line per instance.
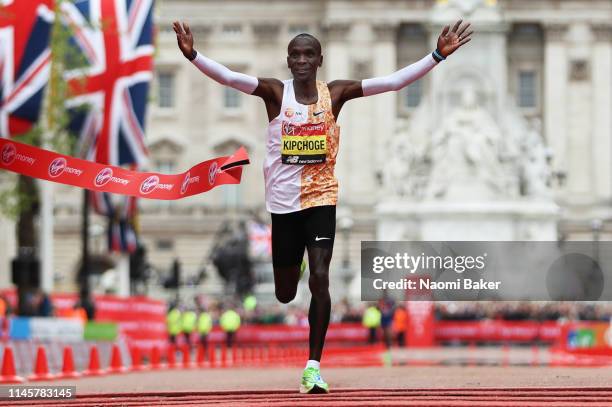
(288, 245)
(320, 303)
(286, 282)
(320, 230)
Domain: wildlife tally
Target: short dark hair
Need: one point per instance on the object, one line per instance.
(310, 37)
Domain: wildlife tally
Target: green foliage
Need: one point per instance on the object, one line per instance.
(51, 131)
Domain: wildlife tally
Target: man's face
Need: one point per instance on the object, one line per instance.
(304, 58)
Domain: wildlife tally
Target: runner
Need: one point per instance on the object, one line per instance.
(301, 149)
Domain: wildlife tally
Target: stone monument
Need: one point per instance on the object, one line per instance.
(468, 166)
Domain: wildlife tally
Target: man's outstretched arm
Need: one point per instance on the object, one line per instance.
(214, 70)
(269, 89)
(448, 42)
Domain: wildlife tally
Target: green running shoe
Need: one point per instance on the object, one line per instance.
(312, 382)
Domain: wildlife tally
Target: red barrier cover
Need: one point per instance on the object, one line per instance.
(497, 331)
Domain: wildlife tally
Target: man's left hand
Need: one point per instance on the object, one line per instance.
(451, 39)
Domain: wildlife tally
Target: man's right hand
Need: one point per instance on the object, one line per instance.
(184, 38)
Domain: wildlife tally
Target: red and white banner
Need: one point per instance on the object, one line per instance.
(497, 331)
(43, 164)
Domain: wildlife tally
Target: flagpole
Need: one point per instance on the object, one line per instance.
(46, 236)
(84, 271)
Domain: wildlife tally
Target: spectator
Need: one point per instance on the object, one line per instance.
(230, 323)
(400, 325)
(45, 306)
(371, 320)
(173, 323)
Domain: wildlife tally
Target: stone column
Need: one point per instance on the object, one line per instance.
(8, 250)
(555, 94)
(336, 52)
(602, 112)
(268, 61)
(336, 66)
(384, 106)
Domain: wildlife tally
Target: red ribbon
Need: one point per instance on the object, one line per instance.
(43, 164)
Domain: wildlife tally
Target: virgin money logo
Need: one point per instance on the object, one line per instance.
(212, 173)
(188, 181)
(103, 177)
(57, 166)
(185, 184)
(149, 184)
(9, 152)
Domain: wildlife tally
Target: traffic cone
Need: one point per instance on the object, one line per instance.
(268, 354)
(116, 364)
(200, 355)
(9, 375)
(223, 355)
(236, 354)
(535, 355)
(506, 355)
(212, 349)
(471, 354)
(171, 357)
(41, 368)
(68, 371)
(156, 359)
(136, 360)
(94, 363)
(186, 351)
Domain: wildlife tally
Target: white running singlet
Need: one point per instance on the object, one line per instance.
(301, 154)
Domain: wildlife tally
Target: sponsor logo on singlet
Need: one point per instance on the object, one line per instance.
(303, 143)
(289, 112)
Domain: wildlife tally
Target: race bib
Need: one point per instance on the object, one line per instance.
(303, 144)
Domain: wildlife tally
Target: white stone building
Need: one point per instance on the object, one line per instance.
(548, 61)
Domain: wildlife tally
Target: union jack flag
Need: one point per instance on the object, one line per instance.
(25, 59)
(109, 89)
(109, 92)
(121, 214)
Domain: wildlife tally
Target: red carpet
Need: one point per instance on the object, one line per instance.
(536, 397)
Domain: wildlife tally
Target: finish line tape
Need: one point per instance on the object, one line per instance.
(43, 164)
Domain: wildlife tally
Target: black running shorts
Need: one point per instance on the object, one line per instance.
(295, 231)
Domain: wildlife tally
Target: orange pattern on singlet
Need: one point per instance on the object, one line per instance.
(319, 184)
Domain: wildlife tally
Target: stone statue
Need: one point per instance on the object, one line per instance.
(406, 171)
(536, 174)
(465, 155)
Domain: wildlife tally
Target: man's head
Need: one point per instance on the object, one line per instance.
(304, 56)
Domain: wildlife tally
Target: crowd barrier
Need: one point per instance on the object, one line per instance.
(56, 361)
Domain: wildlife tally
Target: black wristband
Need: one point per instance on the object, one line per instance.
(194, 54)
(437, 55)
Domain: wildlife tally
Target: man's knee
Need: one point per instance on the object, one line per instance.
(319, 280)
(285, 296)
